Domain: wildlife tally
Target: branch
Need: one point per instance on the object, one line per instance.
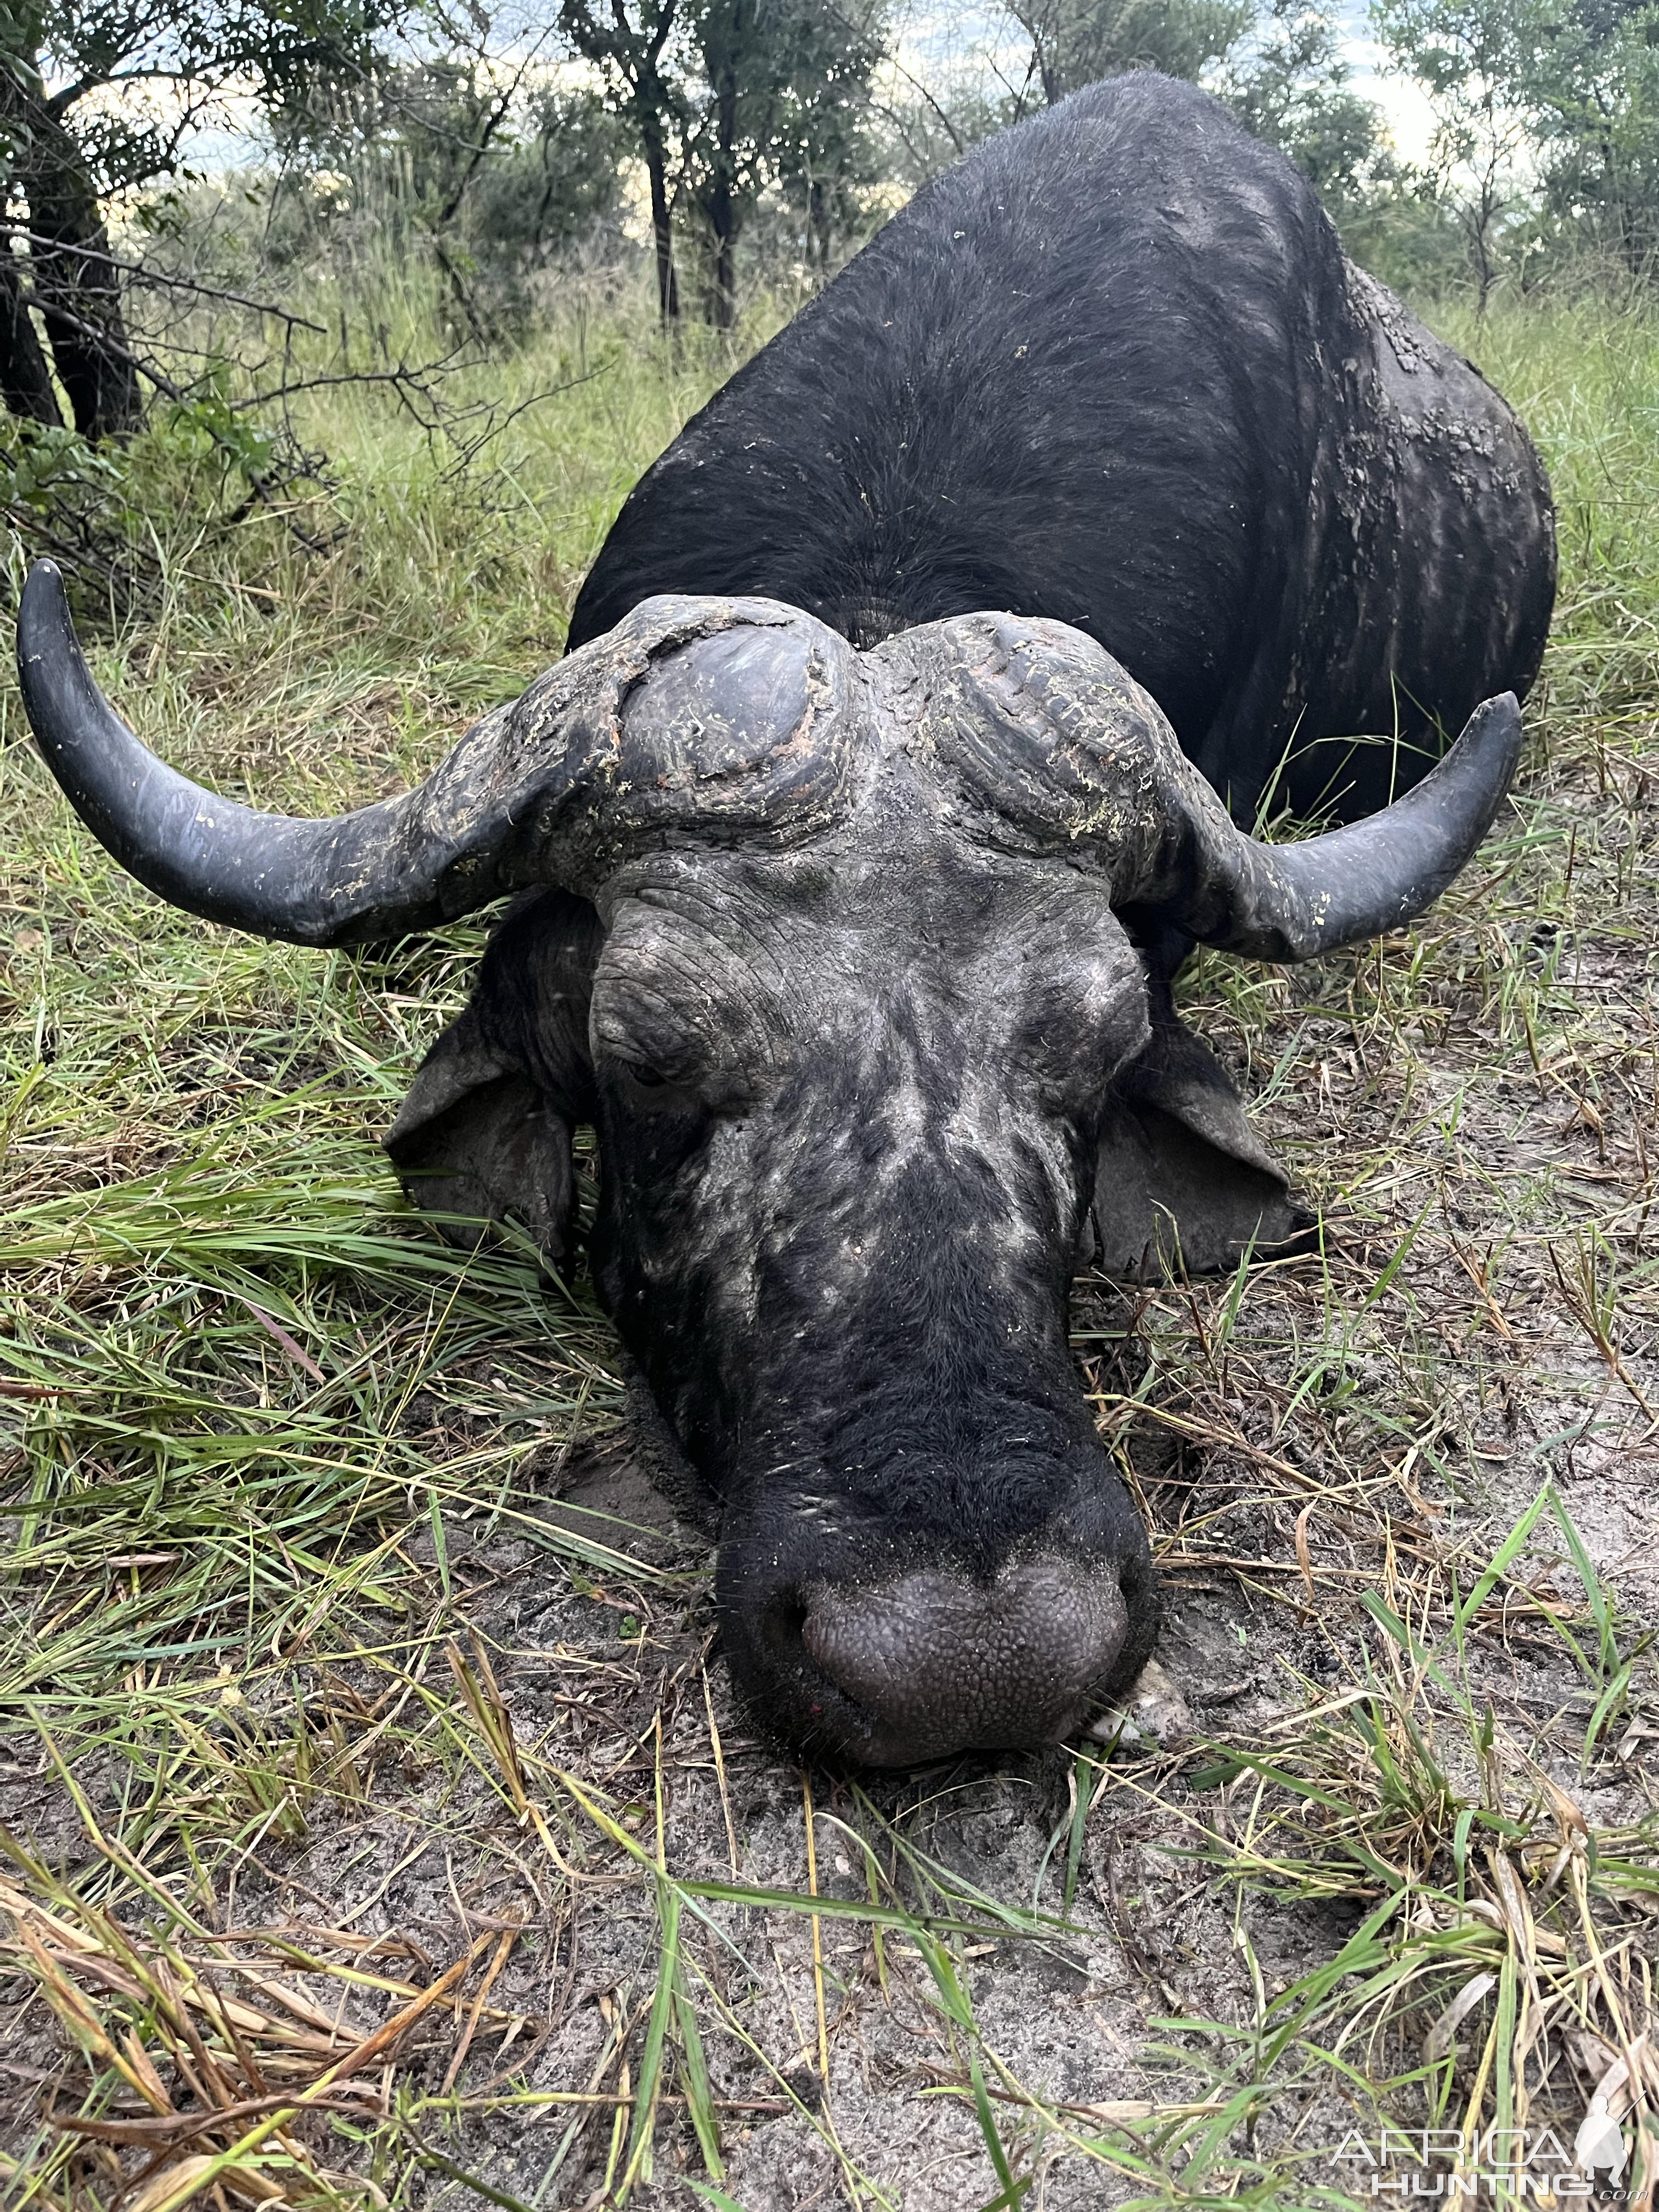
(402, 379)
(470, 451)
(42, 248)
(498, 116)
(958, 142)
(101, 337)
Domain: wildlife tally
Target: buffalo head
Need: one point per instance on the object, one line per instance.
(839, 952)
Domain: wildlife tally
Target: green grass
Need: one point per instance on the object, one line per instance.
(277, 1465)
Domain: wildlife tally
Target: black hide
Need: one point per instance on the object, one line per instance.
(1113, 368)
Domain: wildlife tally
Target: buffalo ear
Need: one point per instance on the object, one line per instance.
(476, 1137)
(1184, 1180)
(485, 1130)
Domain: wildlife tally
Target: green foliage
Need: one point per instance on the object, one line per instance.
(1075, 42)
(439, 159)
(95, 101)
(287, 51)
(1546, 138)
(206, 425)
(1595, 91)
(1472, 58)
(557, 178)
(727, 101)
(1291, 86)
(1404, 232)
(42, 463)
(517, 184)
(98, 507)
(777, 92)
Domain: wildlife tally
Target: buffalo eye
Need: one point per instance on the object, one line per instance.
(642, 1073)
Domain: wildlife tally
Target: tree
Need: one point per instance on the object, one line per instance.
(1545, 110)
(628, 40)
(76, 127)
(1477, 61)
(1074, 42)
(1291, 87)
(727, 150)
(826, 155)
(487, 167)
(742, 94)
(558, 174)
(1593, 89)
(783, 98)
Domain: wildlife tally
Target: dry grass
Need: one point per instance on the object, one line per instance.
(378, 1828)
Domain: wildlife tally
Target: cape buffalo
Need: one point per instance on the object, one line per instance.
(844, 951)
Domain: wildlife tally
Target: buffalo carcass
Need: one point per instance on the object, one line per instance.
(841, 951)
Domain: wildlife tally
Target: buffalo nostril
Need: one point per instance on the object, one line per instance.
(937, 1662)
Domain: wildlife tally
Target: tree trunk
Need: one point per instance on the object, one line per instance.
(1481, 218)
(656, 169)
(25, 384)
(725, 303)
(76, 287)
(80, 297)
(722, 203)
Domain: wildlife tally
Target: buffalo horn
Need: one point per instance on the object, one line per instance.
(1296, 902)
(1043, 731)
(555, 787)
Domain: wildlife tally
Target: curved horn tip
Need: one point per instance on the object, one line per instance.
(43, 607)
(45, 634)
(69, 716)
(1494, 727)
(1474, 773)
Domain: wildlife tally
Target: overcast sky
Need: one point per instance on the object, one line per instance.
(935, 40)
(1401, 101)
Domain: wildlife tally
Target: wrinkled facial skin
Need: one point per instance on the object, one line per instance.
(848, 1104)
